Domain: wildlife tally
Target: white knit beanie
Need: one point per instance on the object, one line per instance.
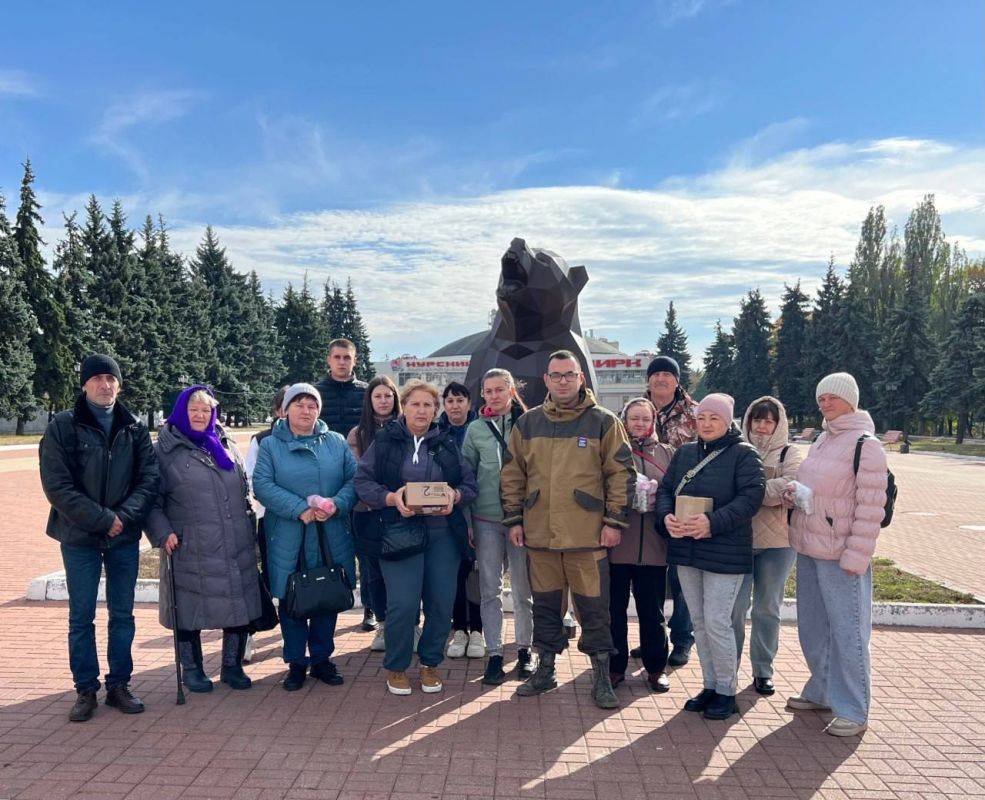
(840, 384)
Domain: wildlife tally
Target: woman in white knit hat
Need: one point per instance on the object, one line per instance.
(835, 535)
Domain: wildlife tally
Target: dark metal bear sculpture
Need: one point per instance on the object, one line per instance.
(538, 314)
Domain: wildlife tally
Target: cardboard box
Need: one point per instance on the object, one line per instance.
(427, 498)
(688, 506)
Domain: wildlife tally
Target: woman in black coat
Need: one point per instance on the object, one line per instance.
(713, 550)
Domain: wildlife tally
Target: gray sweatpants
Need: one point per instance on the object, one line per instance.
(710, 598)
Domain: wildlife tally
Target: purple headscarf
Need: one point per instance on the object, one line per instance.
(207, 440)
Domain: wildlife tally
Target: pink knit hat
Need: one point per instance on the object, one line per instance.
(721, 404)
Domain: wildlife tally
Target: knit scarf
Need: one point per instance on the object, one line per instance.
(207, 440)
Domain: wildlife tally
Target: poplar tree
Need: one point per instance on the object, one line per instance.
(673, 343)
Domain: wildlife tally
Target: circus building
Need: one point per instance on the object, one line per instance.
(620, 376)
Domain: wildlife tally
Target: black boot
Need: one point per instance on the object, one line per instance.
(764, 686)
(722, 707)
(543, 680)
(326, 672)
(121, 698)
(84, 708)
(636, 652)
(679, 656)
(369, 620)
(296, 674)
(602, 692)
(494, 675)
(524, 664)
(192, 674)
(701, 701)
(233, 648)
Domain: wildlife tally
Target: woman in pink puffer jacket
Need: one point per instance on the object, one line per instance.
(834, 544)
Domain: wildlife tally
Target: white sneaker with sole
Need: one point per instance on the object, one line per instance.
(476, 646)
(798, 703)
(456, 648)
(845, 727)
(378, 644)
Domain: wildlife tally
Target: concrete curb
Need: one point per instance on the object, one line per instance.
(910, 615)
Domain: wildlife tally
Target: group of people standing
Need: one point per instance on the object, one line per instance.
(578, 505)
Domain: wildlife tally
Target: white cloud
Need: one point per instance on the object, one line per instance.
(675, 103)
(670, 12)
(145, 108)
(425, 272)
(17, 83)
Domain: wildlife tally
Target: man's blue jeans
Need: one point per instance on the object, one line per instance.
(83, 566)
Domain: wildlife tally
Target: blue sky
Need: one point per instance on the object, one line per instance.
(686, 149)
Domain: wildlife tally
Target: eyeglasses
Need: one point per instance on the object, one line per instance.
(558, 377)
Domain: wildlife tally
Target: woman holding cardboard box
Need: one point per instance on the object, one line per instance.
(415, 473)
(705, 505)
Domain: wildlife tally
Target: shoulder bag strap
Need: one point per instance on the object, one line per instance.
(858, 452)
(499, 436)
(783, 454)
(644, 457)
(689, 475)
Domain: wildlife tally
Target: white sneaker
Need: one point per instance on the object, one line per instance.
(798, 703)
(456, 648)
(477, 646)
(379, 643)
(845, 727)
(248, 653)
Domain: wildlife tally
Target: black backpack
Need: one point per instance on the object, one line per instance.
(891, 489)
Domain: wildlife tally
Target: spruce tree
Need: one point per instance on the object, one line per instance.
(955, 387)
(17, 324)
(226, 294)
(74, 283)
(719, 361)
(355, 331)
(820, 355)
(265, 363)
(137, 333)
(791, 342)
(300, 326)
(673, 343)
(48, 339)
(751, 333)
(109, 289)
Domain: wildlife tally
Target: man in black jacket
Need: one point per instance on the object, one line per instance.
(342, 405)
(100, 474)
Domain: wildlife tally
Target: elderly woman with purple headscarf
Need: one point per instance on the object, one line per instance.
(204, 519)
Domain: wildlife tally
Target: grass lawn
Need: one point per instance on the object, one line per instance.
(891, 585)
(939, 446)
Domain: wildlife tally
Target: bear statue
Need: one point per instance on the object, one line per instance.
(538, 314)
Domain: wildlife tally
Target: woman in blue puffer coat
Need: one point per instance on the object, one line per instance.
(303, 477)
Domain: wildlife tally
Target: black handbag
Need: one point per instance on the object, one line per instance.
(404, 538)
(317, 591)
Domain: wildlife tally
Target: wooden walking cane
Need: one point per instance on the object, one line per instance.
(174, 630)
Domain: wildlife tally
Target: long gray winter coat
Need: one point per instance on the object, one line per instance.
(215, 566)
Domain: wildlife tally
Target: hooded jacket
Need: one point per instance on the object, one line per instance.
(571, 472)
(486, 457)
(735, 482)
(641, 544)
(89, 478)
(848, 508)
(769, 526)
(289, 468)
(215, 568)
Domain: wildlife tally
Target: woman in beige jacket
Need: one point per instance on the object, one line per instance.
(765, 427)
